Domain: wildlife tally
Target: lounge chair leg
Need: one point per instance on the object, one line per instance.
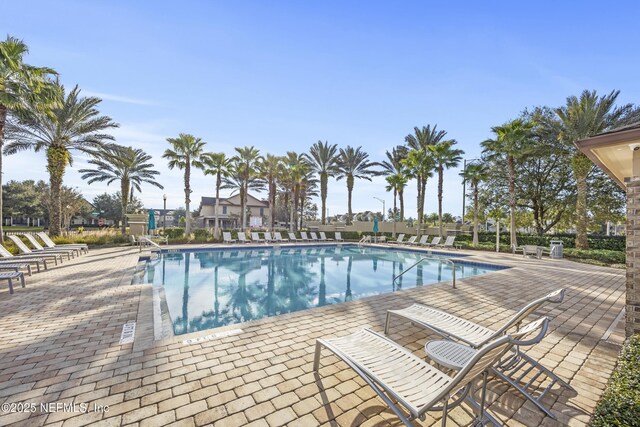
(483, 398)
(445, 410)
(29, 270)
(386, 324)
(22, 280)
(10, 286)
(316, 359)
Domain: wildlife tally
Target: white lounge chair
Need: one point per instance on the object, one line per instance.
(277, 236)
(33, 260)
(450, 243)
(256, 237)
(406, 381)
(338, 236)
(268, 237)
(38, 247)
(303, 236)
(314, 236)
(26, 251)
(12, 266)
(411, 241)
(476, 336)
(11, 276)
(293, 238)
(323, 237)
(435, 242)
(423, 240)
(242, 238)
(51, 244)
(399, 240)
(226, 237)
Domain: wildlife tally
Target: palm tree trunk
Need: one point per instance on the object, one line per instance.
(440, 200)
(3, 119)
(401, 199)
(124, 195)
(216, 227)
(56, 162)
(350, 182)
(187, 198)
(323, 195)
(395, 197)
(272, 203)
(292, 209)
(512, 199)
(582, 241)
(475, 214)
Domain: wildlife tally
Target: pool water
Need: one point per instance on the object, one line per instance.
(208, 289)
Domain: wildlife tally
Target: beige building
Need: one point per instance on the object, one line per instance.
(229, 212)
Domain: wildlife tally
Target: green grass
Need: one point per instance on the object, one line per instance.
(18, 228)
(620, 403)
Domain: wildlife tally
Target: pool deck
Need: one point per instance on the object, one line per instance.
(59, 343)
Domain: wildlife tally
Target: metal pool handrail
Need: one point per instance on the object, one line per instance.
(446, 260)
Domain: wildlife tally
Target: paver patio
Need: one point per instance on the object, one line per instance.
(59, 343)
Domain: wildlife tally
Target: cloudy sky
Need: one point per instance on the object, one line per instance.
(283, 75)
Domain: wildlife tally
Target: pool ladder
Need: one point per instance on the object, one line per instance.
(365, 239)
(445, 260)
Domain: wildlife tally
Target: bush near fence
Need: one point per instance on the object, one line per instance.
(612, 243)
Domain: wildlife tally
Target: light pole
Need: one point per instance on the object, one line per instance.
(383, 205)
(164, 213)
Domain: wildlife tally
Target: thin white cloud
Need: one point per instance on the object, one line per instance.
(117, 98)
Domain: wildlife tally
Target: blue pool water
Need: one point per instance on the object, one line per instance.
(208, 289)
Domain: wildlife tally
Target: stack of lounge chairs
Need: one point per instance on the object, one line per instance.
(14, 267)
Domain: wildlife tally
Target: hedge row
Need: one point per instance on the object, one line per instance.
(620, 403)
(612, 243)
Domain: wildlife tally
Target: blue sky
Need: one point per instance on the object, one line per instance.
(283, 75)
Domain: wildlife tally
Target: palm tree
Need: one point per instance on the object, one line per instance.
(420, 140)
(246, 166)
(513, 142)
(125, 164)
(396, 182)
(324, 161)
(186, 151)
(296, 171)
(353, 164)
(475, 173)
(420, 166)
(395, 166)
(238, 180)
(270, 169)
(21, 85)
(218, 165)
(581, 118)
(447, 157)
(72, 124)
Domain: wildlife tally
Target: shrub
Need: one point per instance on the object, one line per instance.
(614, 243)
(201, 234)
(620, 403)
(174, 233)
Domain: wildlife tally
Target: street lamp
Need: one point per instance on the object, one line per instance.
(383, 205)
(464, 184)
(164, 213)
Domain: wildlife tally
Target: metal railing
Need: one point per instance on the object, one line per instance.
(441, 260)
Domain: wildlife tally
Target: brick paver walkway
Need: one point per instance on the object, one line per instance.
(59, 344)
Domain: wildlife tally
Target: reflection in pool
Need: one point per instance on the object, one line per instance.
(208, 289)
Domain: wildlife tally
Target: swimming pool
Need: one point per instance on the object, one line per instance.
(205, 289)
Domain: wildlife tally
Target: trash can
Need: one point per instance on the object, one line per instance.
(556, 249)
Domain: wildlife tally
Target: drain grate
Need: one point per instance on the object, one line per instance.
(128, 332)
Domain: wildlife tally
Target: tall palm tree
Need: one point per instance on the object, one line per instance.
(324, 161)
(218, 165)
(21, 85)
(420, 140)
(296, 170)
(270, 169)
(444, 157)
(395, 182)
(474, 174)
(125, 164)
(246, 166)
(186, 151)
(512, 142)
(238, 180)
(420, 166)
(581, 118)
(73, 123)
(353, 164)
(394, 166)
